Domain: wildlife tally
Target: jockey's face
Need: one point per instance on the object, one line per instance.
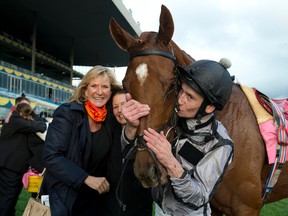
(189, 101)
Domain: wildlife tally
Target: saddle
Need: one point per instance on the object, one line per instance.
(263, 100)
(271, 115)
(279, 110)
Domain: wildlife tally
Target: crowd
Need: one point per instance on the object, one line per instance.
(89, 136)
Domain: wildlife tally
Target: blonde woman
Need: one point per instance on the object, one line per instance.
(77, 147)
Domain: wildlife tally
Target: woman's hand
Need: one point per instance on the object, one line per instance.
(98, 183)
(162, 149)
(132, 111)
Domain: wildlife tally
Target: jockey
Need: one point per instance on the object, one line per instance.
(203, 149)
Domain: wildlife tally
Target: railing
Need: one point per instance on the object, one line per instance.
(17, 43)
(20, 69)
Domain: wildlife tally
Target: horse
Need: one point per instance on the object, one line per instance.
(240, 191)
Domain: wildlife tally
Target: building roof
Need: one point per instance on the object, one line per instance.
(65, 27)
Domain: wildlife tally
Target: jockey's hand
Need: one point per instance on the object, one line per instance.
(161, 147)
(132, 111)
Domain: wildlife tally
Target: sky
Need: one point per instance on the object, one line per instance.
(253, 34)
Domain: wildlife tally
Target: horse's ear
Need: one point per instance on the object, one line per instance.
(166, 27)
(122, 38)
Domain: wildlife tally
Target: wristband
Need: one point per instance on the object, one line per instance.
(183, 174)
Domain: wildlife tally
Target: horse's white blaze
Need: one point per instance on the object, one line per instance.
(142, 73)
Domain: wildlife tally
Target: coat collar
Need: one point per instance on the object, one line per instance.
(74, 105)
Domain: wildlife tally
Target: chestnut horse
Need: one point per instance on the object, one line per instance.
(240, 192)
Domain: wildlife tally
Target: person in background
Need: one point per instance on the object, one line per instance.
(25, 111)
(203, 148)
(35, 143)
(77, 147)
(15, 154)
(18, 100)
(23, 94)
(43, 116)
(138, 200)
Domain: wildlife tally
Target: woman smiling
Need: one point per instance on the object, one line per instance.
(77, 147)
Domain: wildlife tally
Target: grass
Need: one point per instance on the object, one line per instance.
(279, 208)
(22, 202)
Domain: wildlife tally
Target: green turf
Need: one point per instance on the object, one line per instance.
(22, 202)
(279, 208)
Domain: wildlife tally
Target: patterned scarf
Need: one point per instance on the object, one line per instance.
(96, 113)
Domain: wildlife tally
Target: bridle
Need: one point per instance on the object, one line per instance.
(139, 143)
(171, 56)
(154, 52)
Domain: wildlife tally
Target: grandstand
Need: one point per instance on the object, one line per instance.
(41, 41)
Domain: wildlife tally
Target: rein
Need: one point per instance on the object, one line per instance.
(139, 143)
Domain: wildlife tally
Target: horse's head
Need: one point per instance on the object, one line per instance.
(150, 79)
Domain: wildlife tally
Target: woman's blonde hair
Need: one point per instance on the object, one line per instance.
(79, 94)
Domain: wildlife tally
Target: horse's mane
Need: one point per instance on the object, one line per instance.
(182, 57)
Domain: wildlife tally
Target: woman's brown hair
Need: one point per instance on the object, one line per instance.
(25, 111)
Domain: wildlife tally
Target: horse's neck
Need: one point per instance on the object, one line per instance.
(182, 58)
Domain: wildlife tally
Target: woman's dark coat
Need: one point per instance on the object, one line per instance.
(36, 145)
(66, 153)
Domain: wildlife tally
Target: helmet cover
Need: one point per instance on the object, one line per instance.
(209, 78)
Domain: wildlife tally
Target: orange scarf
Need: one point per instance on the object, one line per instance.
(96, 113)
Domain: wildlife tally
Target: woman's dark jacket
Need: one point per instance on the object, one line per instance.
(66, 153)
(14, 145)
(36, 145)
(137, 199)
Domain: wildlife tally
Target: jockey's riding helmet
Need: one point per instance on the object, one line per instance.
(209, 78)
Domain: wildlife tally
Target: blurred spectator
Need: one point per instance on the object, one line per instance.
(15, 153)
(43, 116)
(18, 100)
(23, 94)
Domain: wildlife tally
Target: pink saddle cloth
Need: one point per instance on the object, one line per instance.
(270, 133)
(266, 122)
